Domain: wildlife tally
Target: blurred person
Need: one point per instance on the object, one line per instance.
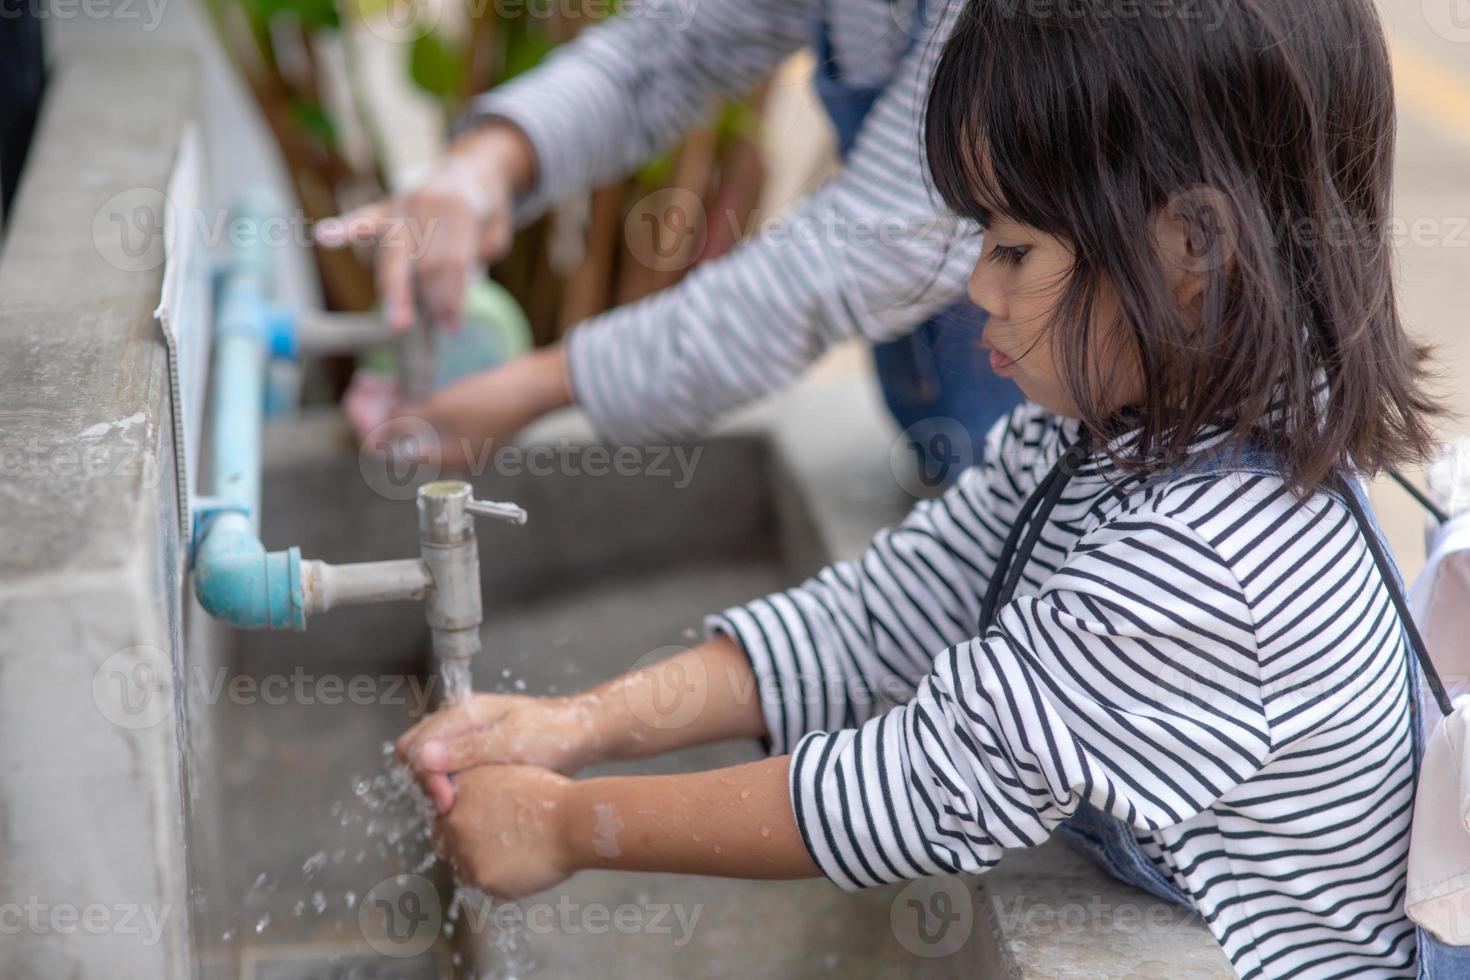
(871, 254)
(22, 75)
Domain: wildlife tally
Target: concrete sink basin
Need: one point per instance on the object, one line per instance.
(611, 569)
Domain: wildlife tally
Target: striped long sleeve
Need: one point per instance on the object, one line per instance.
(857, 638)
(1131, 682)
(870, 254)
(1208, 658)
(629, 88)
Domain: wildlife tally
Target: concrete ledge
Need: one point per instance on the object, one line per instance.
(92, 795)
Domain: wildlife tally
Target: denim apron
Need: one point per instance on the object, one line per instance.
(938, 370)
(1436, 960)
(1108, 841)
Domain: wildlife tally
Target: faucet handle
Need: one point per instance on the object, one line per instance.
(511, 513)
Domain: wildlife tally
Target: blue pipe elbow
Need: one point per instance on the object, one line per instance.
(239, 582)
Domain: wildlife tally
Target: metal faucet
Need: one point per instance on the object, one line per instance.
(446, 575)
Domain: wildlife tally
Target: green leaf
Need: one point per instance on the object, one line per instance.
(525, 50)
(313, 119)
(311, 13)
(436, 68)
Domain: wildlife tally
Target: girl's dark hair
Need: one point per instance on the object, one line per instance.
(1270, 125)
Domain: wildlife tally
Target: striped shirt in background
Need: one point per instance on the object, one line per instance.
(1208, 659)
(870, 254)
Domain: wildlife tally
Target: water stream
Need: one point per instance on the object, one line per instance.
(386, 821)
(505, 932)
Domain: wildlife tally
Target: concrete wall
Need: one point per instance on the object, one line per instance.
(93, 879)
(239, 152)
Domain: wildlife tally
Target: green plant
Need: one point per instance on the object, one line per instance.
(303, 61)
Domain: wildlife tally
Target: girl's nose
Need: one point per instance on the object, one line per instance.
(985, 291)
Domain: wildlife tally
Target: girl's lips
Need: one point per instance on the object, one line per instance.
(999, 363)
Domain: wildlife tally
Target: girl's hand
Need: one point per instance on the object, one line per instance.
(506, 833)
(561, 734)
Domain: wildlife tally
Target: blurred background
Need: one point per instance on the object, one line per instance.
(341, 100)
(332, 103)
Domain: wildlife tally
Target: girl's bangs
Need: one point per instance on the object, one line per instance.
(1001, 83)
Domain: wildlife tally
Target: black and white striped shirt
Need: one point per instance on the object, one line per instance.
(870, 254)
(1205, 657)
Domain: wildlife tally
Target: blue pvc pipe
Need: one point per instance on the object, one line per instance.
(235, 578)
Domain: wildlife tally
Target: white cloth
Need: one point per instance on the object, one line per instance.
(1438, 896)
(1440, 602)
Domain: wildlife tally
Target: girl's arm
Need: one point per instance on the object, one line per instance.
(517, 830)
(1132, 682)
(735, 822)
(827, 655)
(706, 694)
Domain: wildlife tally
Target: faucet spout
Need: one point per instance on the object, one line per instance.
(447, 544)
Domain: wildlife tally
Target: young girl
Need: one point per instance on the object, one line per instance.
(1151, 621)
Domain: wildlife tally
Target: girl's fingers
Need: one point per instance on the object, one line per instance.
(443, 839)
(477, 713)
(451, 755)
(440, 789)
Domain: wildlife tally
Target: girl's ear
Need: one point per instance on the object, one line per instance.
(1195, 234)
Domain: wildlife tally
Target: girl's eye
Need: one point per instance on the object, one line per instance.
(1008, 254)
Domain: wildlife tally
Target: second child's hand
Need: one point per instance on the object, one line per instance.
(445, 227)
(460, 426)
